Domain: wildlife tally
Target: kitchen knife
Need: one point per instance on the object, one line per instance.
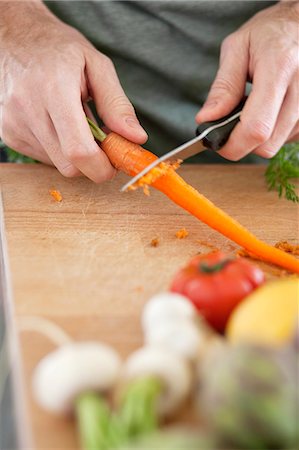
(209, 136)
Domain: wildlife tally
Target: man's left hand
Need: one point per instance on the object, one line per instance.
(265, 51)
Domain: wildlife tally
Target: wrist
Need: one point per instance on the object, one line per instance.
(18, 18)
(292, 7)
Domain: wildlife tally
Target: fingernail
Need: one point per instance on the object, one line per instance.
(133, 123)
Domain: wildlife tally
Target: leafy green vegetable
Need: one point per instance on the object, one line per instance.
(13, 156)
(138, 412)
(93, 415)
(283, 167)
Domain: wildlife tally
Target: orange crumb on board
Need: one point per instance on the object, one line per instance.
(245, 254)
(155, 242)
(182, 234)
(153, 175)
(273, 271)
(287, 247)
(281, 245)
(208, 245)
(56, 195)
(138, 289)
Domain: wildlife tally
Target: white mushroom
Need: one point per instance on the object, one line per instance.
(180, 336)
(166, 307)
(71, 370)
(173, 371)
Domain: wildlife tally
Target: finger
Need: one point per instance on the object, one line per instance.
(285, 124)
(294, 135)
(38, 136)
(260, 112)
(229, 85)
(47, 136)
(76, 141)
(30, 148)
(112, 104)
(22, 139)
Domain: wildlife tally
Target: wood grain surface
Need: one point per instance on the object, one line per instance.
(87, 264)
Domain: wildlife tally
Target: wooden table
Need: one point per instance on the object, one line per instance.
(87, 264)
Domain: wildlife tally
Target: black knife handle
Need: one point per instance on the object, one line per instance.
(218, 137)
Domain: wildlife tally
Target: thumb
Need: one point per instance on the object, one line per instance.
(229, 85)
(113, 106)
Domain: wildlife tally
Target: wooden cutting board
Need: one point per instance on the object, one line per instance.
(87, 264)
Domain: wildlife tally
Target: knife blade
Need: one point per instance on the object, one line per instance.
(210, 135)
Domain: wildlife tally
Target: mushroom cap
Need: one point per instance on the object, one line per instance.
(166, 307)
(72, 369)
(173, 371)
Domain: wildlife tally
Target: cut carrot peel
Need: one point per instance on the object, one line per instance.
(56, 195)
(131, 158)
(153, 175)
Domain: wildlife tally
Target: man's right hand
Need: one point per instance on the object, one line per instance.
(48, 72)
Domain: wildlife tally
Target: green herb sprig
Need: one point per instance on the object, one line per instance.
(13, 156)
(283, 168)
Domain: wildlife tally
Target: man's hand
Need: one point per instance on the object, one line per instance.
(48, 71)
(264, 50)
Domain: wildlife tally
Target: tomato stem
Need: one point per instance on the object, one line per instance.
(212, 268)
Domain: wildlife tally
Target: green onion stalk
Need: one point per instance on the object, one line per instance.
(100, 429)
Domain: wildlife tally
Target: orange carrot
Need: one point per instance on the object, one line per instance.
(132, 158)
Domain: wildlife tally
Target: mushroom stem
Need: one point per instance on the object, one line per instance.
(139, 412)
(93, 416)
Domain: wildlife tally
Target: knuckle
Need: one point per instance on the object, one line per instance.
(286, 64)
(75, 152)
(234, 156)
(9, 138)
(106, 175)
(231, 155)
(228, 42)
(120, 102)
(259, 130)
(223, 86)
(105, 62)
(68, 170)
(268, 150)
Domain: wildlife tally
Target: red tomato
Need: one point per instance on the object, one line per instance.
(216, 283)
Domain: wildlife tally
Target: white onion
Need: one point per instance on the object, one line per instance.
(166, 307)
(173, 371)
(73, 369)
(180, 336)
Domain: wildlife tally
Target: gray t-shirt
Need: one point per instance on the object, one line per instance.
(166, 55)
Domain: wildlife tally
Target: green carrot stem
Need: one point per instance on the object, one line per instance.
(138, 413)
(96, 131)
(93, 417)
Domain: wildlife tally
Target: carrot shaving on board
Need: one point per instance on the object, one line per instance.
(287, 247)
(182, 234)
(131, 158)
(155, 242)
(56, 195)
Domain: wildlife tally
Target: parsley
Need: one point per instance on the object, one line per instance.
(13, 156)
(283, 167)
